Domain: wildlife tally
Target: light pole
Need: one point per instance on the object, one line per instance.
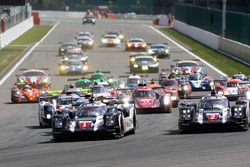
(224, 9)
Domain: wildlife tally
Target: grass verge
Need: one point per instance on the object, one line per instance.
(9, 53)
(220, 61)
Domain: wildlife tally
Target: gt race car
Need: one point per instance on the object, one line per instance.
(160, 49)
(213, 111)
(82, 34)
(89, 19)
(136, 44)
(65, 46)
(189, 66)
(144, 64)
(85, 42)
(118, 34)
(95, 118)
(72, 67)
(75, 55)
(110, 41)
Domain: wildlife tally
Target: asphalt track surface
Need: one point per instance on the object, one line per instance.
(156, 142)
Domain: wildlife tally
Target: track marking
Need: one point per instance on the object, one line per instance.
(26, 55)
(186, 50)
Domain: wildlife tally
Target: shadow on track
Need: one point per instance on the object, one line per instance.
(202, 131)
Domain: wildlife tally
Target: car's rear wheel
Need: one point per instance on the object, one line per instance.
(120, 130)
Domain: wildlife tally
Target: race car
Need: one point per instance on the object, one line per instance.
(95, 118)
(76, 55)
(25, 94)
(100, 92)
(230, 88)
(82, 34)
(214, 110)
(185, 89)
(88, 19)
(172, 86)
(118, 34)
(132, 81)
(36, 78)
(72, 66)
(85, 42)
(144, 64)
(189, 66)
(200, 82)
(136, 44)
(65, 46)
(241, 76)
(160, 49)
(46, 109)
(110, 40)
(147, 100)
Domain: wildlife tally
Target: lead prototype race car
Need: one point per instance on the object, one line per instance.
(214, 110)
(95, 117)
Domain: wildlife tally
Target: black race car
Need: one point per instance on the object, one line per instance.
(65, 46)
(88, 19)
(94, 117)
(213, 110)
(159, 49)
(144, 64)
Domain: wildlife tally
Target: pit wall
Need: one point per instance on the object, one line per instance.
(16, 31)
(236, 50)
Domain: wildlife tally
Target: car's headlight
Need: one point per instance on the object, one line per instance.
(62, 67)
(129, 45)
(48, 116)
(85, 67)
(121, 36)
(62, 49)
(185, 88)
(66, 58)
(154, 65)
(136, 66)
(90, 42)
(144, 45)
(220, 92)
(132, 59)
(166, 100)
(166, 51)
(173, 97)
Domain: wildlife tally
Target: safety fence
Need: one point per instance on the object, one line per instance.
(237, 24)
(11, 16)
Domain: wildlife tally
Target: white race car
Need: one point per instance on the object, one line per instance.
(110, 40)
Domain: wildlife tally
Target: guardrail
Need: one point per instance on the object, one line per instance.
(235, 50)
(14, 32)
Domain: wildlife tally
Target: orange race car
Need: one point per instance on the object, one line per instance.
(22, 94)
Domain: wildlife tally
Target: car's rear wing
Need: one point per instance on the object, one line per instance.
(24, 69)
(186, 60)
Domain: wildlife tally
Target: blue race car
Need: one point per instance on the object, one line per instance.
(200, 82)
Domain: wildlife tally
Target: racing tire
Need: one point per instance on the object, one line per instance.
(245, 126)
(120, 130)
(134, 124)
(41, 125)
(57, 138)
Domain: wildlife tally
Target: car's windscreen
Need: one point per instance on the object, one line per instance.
(144, 60)
(159, 90)
(133, 81)
(72, 63)
(124, 91)
(189, 64)
(144, 93)
(98, 90)
(232, 84)
(158, 47)
(97, 76)
(110, 37)
(90, 112)
(89, 17)
(66, 101)
(69, 46)
(33, 74)
(214, 104)
(169, 83)
(74, 55)
(136, 41)
(194, 77)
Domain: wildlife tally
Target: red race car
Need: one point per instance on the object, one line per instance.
(232, 88)
(136, 44)
(171, 86)
(24, 94)
(148, 99)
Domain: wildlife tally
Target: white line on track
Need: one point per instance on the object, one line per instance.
(186, 50)
(26, 55)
